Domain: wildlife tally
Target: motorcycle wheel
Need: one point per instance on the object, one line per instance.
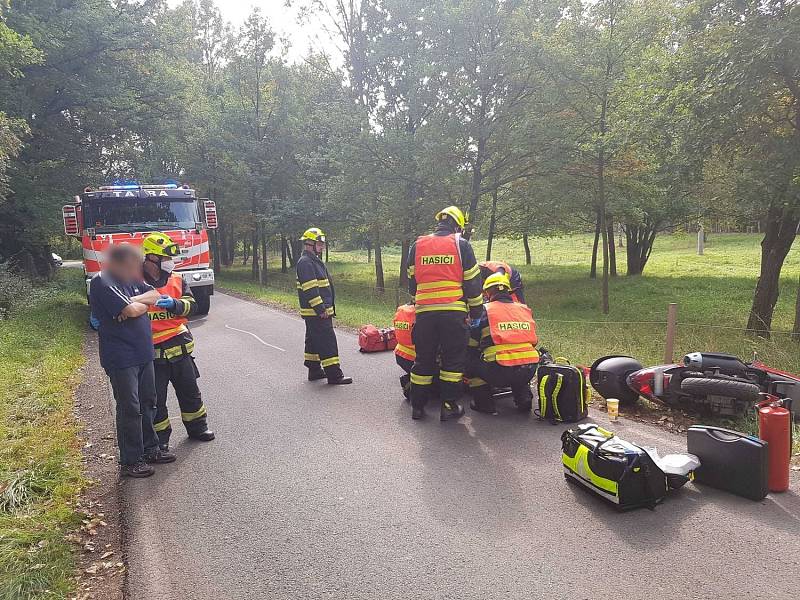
(740, 390)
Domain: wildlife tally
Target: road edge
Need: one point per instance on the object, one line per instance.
(101, 564)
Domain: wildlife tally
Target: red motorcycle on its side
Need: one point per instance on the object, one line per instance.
(718, 384)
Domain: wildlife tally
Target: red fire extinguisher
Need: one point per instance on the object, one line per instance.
(775, 427)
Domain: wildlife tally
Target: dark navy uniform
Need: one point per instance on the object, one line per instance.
(317, 297)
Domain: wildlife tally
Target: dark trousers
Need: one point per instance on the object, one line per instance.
(182, 374)
(135, 399)
(321, 350)
(487, 375)
(441, 334)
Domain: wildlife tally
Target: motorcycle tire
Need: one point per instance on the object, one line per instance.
(740, 390)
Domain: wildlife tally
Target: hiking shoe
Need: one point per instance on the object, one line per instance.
(137, 470)
(451, 411)
(202, 436)
(159, 457)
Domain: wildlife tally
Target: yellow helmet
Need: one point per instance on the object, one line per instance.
(160, 244)
(313, 234)
(455, 213)
(498, 280)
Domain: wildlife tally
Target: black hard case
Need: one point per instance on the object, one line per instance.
(729, 460)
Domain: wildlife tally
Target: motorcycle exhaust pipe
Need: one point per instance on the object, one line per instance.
(694, 360)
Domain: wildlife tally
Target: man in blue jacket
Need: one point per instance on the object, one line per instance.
(119, 299)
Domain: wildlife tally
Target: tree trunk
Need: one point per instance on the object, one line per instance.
(284, 258)
(246, 245)
(369, 251)
(796, 328)
(216, 259)
(255, 272)
(402, 280)
(640, 239)
(612, 249)
(327, 252)
(264, 256)
(492, 224)
(380, 282)
(595, 246)
(296, 250)
(526, 244)
(779, 233)
(231, 250)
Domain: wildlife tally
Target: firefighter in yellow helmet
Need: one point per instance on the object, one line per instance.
(173, 342)
(444, 278)
(506, 336)
(318, 307)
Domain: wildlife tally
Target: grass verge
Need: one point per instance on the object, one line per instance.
(713, 293)
(40, 459)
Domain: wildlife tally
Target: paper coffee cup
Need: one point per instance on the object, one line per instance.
(612, 406)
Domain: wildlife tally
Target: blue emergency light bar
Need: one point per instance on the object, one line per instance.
(107, 188)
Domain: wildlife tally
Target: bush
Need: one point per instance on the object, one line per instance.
(16, 291)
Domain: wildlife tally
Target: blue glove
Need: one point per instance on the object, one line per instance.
(475, 323)
(169, 304)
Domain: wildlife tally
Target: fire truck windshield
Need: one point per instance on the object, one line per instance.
(114, 214)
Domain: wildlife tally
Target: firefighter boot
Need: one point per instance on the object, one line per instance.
(482, 400)
(405, 383)
(315, 374)
(523, 398)
(451, 410)
(335, 376)
(202, 436)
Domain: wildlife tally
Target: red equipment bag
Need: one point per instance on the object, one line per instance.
(372, 339)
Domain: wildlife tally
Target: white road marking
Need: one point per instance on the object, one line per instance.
(255, 336)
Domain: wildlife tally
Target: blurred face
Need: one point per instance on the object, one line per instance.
(126, 267)
(319, 247)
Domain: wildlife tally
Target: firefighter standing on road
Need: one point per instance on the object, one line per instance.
(317, 307)
(506, 335)
(444, 278)
(173, 341)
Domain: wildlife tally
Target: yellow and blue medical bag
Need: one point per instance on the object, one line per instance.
(618, 471)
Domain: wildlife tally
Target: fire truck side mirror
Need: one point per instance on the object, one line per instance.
(70, 215)
(210, 209)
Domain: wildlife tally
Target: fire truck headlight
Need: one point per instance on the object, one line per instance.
(196, 276)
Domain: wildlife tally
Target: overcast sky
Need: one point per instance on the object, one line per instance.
(284, 23)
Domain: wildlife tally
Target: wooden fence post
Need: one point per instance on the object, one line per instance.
(672, 326)
(701, 240)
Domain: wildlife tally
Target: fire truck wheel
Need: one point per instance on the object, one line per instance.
(203, 299)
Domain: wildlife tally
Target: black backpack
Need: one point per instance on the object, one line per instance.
(563, 393)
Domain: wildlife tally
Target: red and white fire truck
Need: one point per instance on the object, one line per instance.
(127, 213)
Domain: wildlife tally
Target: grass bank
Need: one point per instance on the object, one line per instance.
(713, 293)
(40, 459)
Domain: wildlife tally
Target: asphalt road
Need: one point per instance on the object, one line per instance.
(313, 491)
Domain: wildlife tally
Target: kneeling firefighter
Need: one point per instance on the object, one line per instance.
(405, 352)
(506, 335)
(318, 307)
(444, 278)
(173, 342)
(490, 267)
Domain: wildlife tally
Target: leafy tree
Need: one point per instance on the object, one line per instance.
(746, 65)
